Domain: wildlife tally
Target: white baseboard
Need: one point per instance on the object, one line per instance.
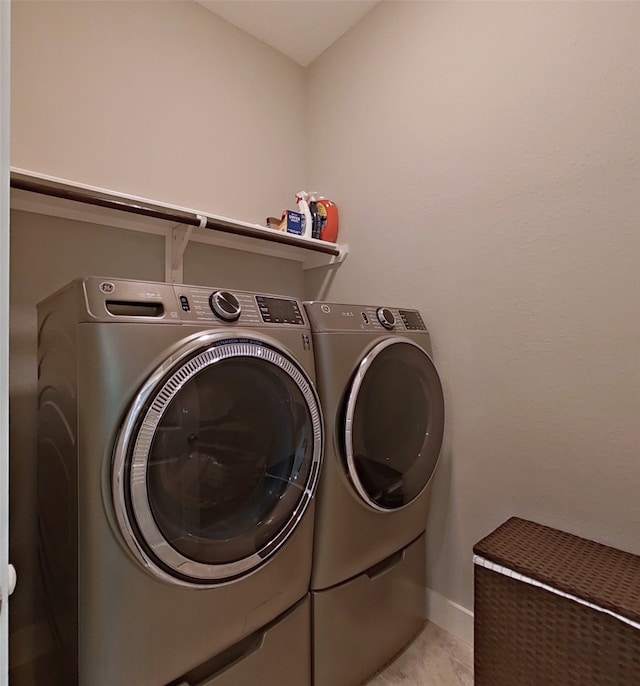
(450, 616)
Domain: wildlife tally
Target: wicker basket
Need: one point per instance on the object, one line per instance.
(553, 609)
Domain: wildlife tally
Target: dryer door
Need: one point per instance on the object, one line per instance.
(217, 460)
(394, 421)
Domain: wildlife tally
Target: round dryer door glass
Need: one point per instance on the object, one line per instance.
(394, 422)
(220, 462)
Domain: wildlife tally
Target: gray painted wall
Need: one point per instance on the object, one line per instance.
(486, 159)
(162, 100)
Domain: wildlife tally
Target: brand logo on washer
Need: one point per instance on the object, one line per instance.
(107, 287)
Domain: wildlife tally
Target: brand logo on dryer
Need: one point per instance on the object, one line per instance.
(107, 287)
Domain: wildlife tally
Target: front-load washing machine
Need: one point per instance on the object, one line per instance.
(384, 419)
(180, 442)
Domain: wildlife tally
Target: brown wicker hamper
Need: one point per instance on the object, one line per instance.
(554, 609)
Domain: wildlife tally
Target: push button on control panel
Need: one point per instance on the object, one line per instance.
(184, 303)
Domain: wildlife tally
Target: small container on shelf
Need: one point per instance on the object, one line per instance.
(275, 223)
(293, 222)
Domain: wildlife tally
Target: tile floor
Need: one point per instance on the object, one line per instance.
(434, 658)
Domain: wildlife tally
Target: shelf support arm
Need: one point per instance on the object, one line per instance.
(176, 242)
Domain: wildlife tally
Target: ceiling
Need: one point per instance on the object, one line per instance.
(300, 29)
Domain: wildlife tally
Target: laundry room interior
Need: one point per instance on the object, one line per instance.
(485, 161)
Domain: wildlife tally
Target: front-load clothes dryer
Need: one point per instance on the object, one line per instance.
(383, 407)
(180, 442)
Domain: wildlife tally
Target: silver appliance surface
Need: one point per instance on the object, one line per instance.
(383, 407)
(180, 442)
(362, 624)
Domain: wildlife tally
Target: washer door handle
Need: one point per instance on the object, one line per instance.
(11, 583)
(13, 579)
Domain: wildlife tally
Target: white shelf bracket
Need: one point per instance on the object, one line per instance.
(316, 261)
(176, 242)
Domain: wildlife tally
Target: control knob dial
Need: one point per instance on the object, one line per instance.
(386, 317)
(225, 305)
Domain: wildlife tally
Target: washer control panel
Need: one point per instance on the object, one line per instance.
(125, 299)
(203, 304)
(339, 317)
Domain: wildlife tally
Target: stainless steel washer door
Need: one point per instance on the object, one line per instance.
(217, 460)
(393, 426)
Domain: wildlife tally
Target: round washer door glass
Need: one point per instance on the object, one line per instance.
(218, 460)
(394, 423)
